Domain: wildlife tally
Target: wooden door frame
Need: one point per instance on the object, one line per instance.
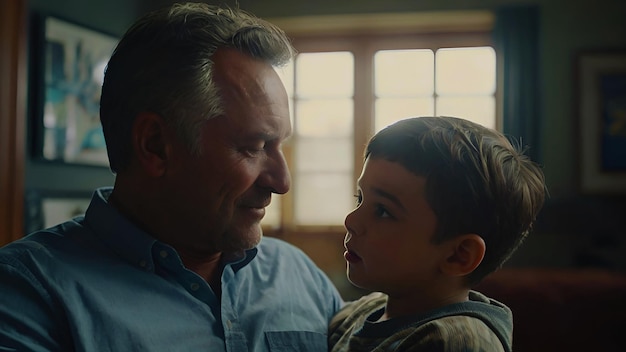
(12, 118)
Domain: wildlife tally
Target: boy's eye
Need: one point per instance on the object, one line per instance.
(382, 212)
(379, 210)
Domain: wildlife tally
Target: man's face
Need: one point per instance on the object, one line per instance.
(223, 192)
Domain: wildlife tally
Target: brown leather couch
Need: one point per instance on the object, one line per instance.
(562, 309)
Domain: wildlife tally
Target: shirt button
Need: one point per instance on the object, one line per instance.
(163, 254)
(143, 263)
(194, 286)
(229, 324)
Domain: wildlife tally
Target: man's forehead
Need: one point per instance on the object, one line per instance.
(242, 74)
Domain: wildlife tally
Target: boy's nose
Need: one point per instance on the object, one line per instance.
(350, 223)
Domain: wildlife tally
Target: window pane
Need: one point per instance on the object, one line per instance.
(324, 118)
(325, 74)
(481, 110)
(466, 71)
(324, 154)
(403, 72)
(323, 198)
(389, 111)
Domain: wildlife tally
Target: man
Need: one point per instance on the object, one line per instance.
(171, 258)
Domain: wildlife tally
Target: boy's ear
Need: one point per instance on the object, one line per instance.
(150, 143)
(465, 253)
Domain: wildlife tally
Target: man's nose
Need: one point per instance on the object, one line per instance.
(276, 176)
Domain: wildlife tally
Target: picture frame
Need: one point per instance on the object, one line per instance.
(69, 72)
(59, 209)
(47, 208)
(602, 121)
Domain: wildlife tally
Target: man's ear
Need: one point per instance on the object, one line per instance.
(464, 254)
(150, 143)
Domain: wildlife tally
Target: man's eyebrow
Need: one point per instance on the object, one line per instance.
(268, 136)
(260, 136)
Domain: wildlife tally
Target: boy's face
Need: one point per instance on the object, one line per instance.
(388, 241)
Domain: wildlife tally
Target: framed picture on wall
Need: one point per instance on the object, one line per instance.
(60, 209)
(602, 121)
(46, 208)
(69, 75)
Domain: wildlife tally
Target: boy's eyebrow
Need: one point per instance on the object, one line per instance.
(389, 196)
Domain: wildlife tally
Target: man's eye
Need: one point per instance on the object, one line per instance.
(254, 149)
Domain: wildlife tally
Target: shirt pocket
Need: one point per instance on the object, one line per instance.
(290, 341)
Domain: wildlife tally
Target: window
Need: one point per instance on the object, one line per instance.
(344, 88)
(449, 81)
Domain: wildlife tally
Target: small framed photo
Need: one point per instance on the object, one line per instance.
(47, 208)
(59, 209)
(602, 121)
(69, 75)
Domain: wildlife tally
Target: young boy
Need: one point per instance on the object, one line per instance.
(441, 203)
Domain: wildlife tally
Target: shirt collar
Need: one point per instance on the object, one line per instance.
(239, 260)
(121, 235)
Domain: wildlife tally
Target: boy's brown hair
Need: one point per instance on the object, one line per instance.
(476, 181)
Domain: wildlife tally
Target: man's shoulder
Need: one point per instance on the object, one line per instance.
(42, 243)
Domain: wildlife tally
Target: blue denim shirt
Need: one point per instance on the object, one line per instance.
(98, 283)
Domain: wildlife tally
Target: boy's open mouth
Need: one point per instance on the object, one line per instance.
(351, 257)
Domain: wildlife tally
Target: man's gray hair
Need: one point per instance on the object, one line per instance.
(163, 65)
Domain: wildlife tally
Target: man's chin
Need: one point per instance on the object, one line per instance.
(243, 239)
